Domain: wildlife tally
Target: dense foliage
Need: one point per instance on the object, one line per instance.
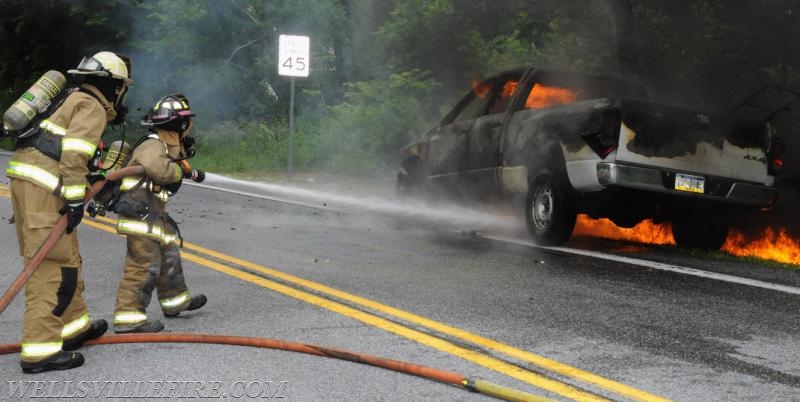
(383, 71)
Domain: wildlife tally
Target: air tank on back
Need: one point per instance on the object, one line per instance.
(35, 100)
(116, 155)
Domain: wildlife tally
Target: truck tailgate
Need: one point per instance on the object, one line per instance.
(687, 142)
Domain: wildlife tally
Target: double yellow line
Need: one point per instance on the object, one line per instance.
(230, 268)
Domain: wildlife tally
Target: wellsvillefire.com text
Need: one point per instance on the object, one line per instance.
(147, 389)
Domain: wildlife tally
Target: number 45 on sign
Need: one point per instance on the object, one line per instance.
(293, 55)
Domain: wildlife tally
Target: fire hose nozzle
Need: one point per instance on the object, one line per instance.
(196, 175)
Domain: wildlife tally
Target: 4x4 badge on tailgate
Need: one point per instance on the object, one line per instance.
(755, 158)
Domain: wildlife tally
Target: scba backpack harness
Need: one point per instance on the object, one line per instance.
(36, 133)
(123, 202)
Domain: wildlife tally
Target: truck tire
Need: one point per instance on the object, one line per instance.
(549, 211)
(699, 233)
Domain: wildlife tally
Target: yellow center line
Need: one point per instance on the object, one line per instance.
(545, 363)
(412, 334)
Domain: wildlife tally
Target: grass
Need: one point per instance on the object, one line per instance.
(706, 255)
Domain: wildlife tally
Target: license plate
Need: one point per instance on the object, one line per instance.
(692, 184)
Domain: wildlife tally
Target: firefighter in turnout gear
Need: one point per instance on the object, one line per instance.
(153, 259)
(48, 172)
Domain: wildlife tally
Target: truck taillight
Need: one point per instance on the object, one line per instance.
(776, 151)
(603, 135)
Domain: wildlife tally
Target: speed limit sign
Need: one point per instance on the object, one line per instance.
(293, 55)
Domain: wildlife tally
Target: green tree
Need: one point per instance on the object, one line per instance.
(29, 46)
(377, 119)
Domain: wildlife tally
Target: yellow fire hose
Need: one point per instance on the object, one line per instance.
(447, 377)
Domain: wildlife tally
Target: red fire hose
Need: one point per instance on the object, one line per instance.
(55, 235)
(447, 377)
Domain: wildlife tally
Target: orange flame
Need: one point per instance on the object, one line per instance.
(481, 89)
(771, 244)
(543, 96)
(508, 88)
(645, 232)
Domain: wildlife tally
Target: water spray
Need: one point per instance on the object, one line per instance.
(396, 207)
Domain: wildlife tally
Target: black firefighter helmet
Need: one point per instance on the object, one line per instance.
(171, 112)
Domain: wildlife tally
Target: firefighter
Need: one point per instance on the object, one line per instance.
(48, 172)
(153, 258)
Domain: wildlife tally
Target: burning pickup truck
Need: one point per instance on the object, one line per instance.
(565, 143)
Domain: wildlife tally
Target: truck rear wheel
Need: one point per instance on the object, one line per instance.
(549, 211)
(699, 233)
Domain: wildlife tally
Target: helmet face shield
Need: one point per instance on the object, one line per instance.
(90, 64)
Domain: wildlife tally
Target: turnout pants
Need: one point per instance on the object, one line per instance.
(149, 265)
(54, 307)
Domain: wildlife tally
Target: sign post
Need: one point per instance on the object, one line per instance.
(293, 61)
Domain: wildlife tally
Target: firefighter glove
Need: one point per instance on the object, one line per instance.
(173, 188)
(74, 213)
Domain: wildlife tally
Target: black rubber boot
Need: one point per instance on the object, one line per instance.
(59, 361)
(96, 330)
(194, 303)
(146, 328)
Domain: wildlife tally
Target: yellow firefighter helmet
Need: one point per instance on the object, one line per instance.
(105, 64)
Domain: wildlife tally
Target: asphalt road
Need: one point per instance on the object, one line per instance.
(446, 288)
